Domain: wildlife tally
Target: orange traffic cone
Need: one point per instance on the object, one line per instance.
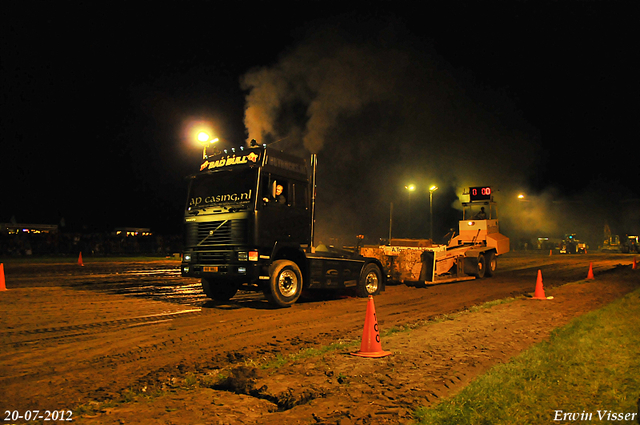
(80, 263)
(550, 252)
(539, 294)
(370, 345)
(590, 274)
(3, 287)
(635, 264)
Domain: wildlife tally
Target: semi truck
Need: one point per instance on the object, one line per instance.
(249, 224)
(471, 254)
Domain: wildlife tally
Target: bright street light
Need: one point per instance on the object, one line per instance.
(203, 137)
(206, 140)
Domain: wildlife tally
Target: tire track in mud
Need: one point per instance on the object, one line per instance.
(7, 336)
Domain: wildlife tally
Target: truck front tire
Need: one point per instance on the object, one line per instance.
(285, 283)
(219, 291)
(370, 281)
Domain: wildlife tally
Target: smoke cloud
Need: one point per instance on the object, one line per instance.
(382, 115)
(327, 82)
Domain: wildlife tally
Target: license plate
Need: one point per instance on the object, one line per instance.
(210, 269)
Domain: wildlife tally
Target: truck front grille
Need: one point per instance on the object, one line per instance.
(219, 233)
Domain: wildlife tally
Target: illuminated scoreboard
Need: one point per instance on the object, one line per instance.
(480, 193)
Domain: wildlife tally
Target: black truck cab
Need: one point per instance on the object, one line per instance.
(249, 224)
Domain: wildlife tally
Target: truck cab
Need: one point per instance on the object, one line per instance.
(249, 222)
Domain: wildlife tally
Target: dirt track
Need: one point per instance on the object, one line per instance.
(76, 335)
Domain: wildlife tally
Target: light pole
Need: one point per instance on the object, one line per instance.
(431, 190)
(410, 188)
(390, 220)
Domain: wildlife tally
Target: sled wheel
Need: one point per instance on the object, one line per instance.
(492, 264)
(481, 266)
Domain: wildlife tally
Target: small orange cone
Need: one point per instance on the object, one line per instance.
(635, 264)
(370, 345)
(3, 287)
(550, 252)
(590, 274)
(539, 294)
(80, 263)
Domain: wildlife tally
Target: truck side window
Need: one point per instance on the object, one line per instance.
(276, 192)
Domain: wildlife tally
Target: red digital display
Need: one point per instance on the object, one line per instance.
(480, 193)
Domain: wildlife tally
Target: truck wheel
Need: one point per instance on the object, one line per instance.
(285, 283)
(492, 264)
(221, 291)
(481, 267)
(370, 281)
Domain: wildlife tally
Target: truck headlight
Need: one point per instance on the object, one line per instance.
(187, 257)
(242, 256)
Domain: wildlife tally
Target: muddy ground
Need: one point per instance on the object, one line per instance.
(136, 343)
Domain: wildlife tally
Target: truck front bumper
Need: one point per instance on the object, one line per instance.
(243, 272)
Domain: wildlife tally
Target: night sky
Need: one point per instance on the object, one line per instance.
(532, 97)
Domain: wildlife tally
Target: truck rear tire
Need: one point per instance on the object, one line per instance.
(285, 283)
(492, 264)
(370, 281)
(220, 291)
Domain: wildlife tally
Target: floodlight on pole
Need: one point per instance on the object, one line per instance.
(206, 140)
(410, 188)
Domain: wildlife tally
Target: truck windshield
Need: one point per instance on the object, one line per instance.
(224, 188)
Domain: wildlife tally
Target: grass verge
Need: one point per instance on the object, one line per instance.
(586, 372)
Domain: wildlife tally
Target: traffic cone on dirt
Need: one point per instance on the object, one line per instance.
(590, 274)
(550, 252)
(370, 345)
(635, 264)
(3, 287)
(539, 294)
(80, 263)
